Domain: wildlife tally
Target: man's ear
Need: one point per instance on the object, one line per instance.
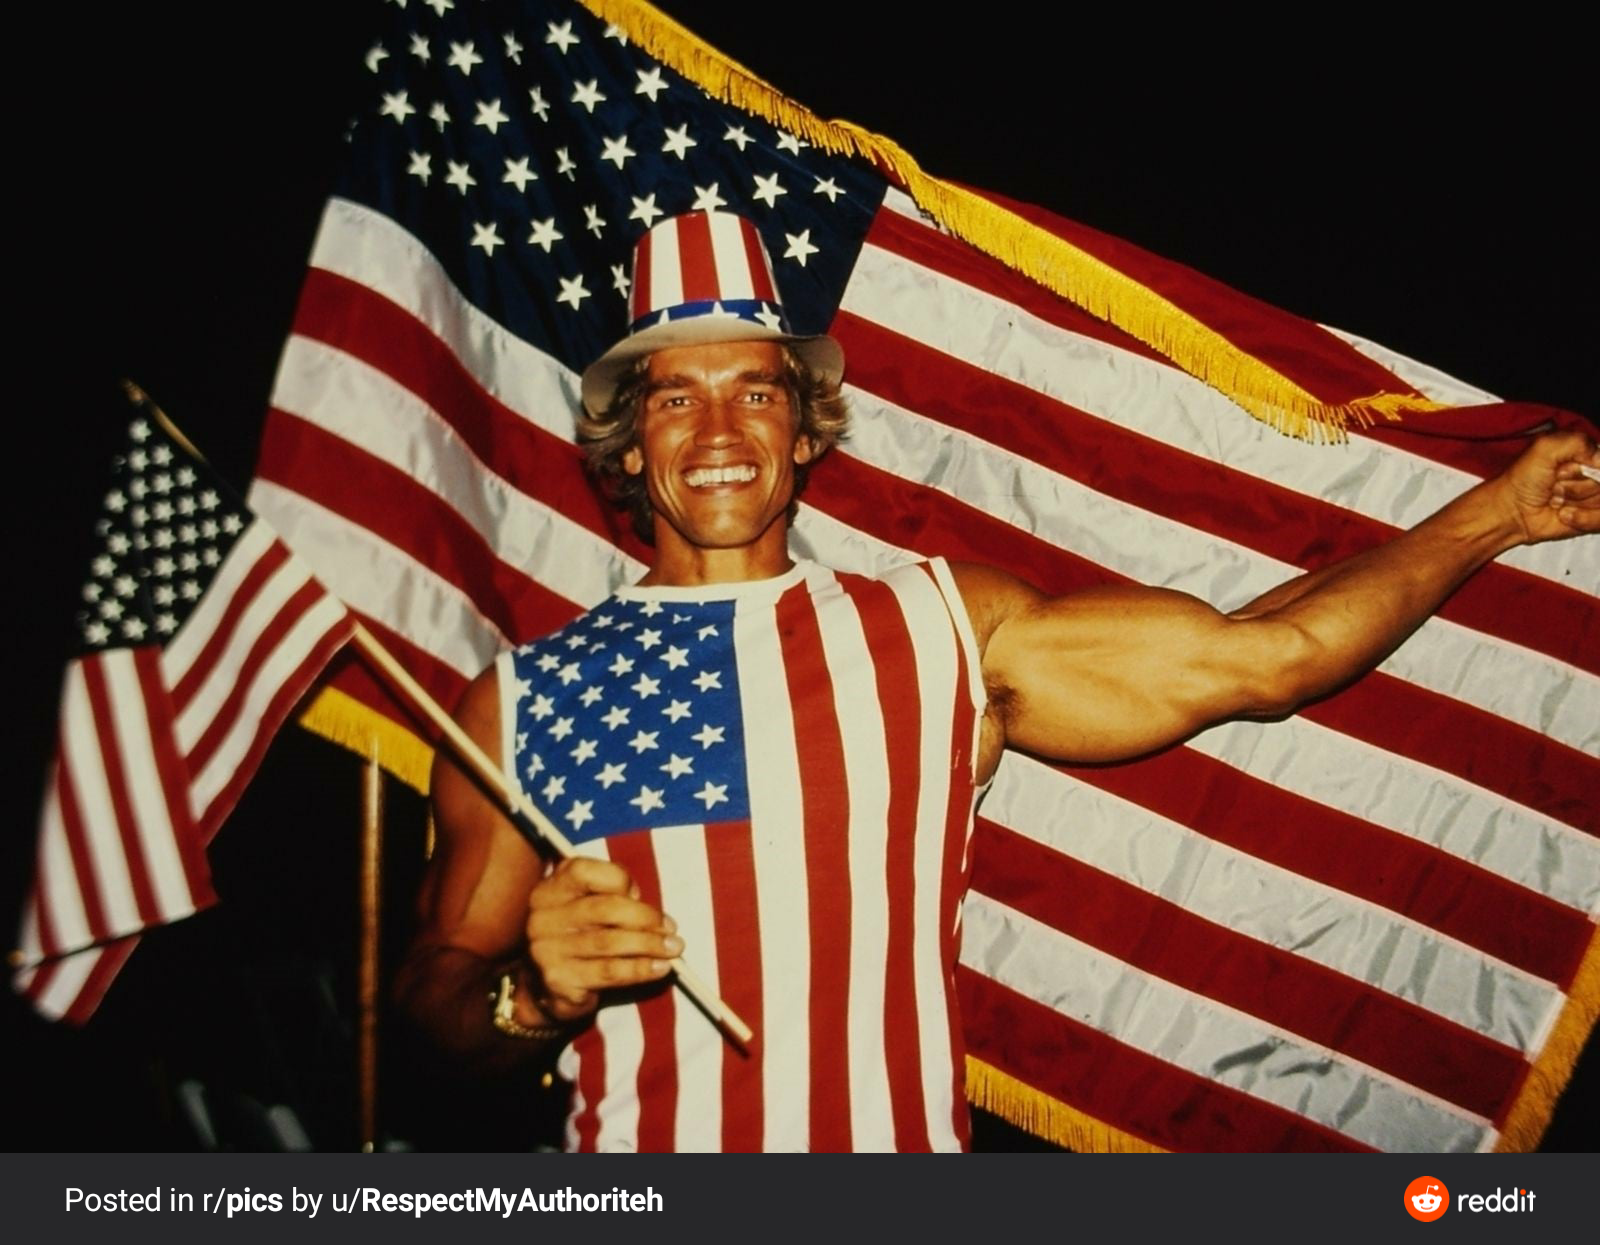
(633, 460)
(804, 449)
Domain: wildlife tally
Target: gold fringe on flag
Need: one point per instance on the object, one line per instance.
(1548, 1077)
(1036, 1112)
(1054, 263)
(344, 720)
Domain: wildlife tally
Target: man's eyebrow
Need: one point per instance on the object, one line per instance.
(753, 377)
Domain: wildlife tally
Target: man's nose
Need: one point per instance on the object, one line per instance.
(719, 426)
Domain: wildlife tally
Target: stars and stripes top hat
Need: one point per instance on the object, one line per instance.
(698, 278)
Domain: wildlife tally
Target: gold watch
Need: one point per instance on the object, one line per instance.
(505, 1019)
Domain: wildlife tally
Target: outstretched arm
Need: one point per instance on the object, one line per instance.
(1114, 672)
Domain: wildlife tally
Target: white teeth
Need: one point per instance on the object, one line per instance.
(702, 476)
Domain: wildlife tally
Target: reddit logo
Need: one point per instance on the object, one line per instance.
(1426, 1199)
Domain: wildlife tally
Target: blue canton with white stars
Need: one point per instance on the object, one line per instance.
(629, 718)
(530, 145)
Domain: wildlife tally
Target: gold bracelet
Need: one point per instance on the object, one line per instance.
(504, 1015)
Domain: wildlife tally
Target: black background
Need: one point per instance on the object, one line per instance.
(1425, 187)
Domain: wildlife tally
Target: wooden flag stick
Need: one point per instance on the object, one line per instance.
(525, 811)
(371, 931)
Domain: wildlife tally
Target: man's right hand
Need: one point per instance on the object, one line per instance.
(588, 931)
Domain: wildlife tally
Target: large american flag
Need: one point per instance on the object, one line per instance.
(1362, 927)
(199, 632)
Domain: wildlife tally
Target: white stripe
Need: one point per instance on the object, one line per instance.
(1272, 905)
(338, 393)
(683, 866)
(367, 247)
(220, 678)
(1159, 401)
(1523, 686)
(1430, 382)
(924, 610)
(1416, 800)
(153, 828)
(733, 263)
(284, 664)
(782, 891)
(623, 1035)
(1212, 1041)
(860, 717)
(377, 579)
(86, 771)
(72, 974)
(666, 279)
(197, 629)
(58, 883)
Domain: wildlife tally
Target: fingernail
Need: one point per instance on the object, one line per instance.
(633, 891)
(668, 924)
(673, 944)
(659, 967)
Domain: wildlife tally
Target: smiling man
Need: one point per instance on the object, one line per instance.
(786, 759)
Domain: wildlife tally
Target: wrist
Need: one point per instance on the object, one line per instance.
(517, 1014)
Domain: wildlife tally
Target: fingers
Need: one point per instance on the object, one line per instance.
(581, 876)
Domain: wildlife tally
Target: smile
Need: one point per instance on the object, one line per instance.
(702, 477)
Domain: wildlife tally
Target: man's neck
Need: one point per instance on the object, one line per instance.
(678, 563)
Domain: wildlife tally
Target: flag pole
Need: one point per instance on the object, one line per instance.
(371, 917)
(524, 811)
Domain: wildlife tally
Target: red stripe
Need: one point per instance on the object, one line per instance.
(228, 617)
(658, 1066)
(1109, 1080)
(756, 258)
(44, 924)
(590, 1049)
(108, 963)
(1482, 748)
(174, 777)
(1395, 871)
(291, 687)
(639, 302)
(116, 772)
(1211, 498)
(85, 873)
(825, 808)
(351, 675)
(1284, 989)
(39, 983)
(895, 674)
(730, 857)
(955, 873)
(697, 263)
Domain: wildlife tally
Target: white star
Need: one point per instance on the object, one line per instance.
(707, 199)
(770, 318)
(555, 787)
(233, 525)
(565, 163)
(519, 174)
(186, 477)
(396, 106)
(486, 238)
(459, 177)
(560, 729)
(522, 741)
(619, 279)
(421, 166)
(189, 590)
(617, 150)
(678, 141)
(463, 56)
(439, 115)
(166, 624)
(584, 751)
(419, 49)
(677, 710)
(209, 499)
(133, 628)
(647, 800)
(376, 56)
(614, 31)
(675, 657)
(524, 688)
(513, 48)
(163, 538)
(548, 662)
(591, 219)
(646, 210)
(649, 638)
(612, 774)
(572, 291)
(615, 716)
(650, 83)
(650, 608)
(580, 812)
(708, 735)
(161, 482)
(800, 247)
(646, 687)
(643, 741)
(538, 103)
(187, 561)
(490, 116)
(542, 707)
(788, 142)
(545, 234)
(768, 190)
(712, 793)
(117, 543)
(677, 766)
(737, 136)
(570, 674)
(575, 640)
(188, 533)
(439, 6)
(708, 680)
(163, 594)
(588, 94)
(96, 633)
(111, 609)
(123, 585)
(91, 592)
(535, 765)
(827, 186)
(561, 36)
(590, 696)
(621, 666)
(210, 556)
(139, 430)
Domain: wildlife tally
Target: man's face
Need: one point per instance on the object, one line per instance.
(717, 443)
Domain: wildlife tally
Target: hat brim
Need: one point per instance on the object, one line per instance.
(821, 354)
